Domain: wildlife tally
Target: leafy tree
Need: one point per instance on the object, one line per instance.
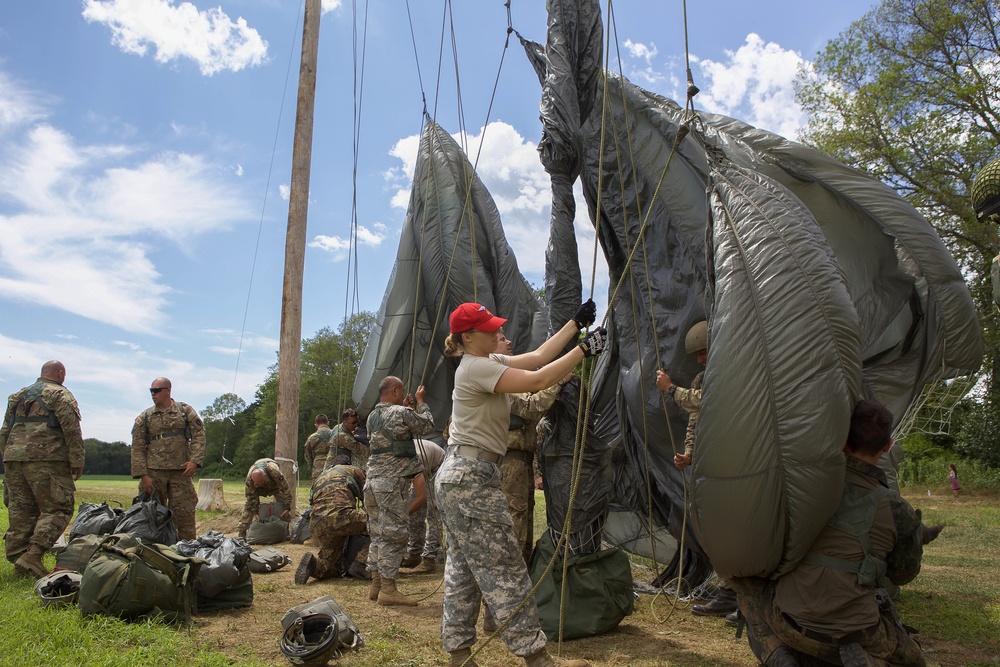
(106, 458)
(910, 93)
(226, 420)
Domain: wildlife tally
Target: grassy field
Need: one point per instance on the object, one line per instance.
(955, 603)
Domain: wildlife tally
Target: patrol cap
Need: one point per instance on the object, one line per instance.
(469, 316)
(697, 338)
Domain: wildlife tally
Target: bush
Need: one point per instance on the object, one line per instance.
(926, 472)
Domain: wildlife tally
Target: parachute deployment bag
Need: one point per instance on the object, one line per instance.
(149, 520)
(96, 519)
(267, 559)
(139, 581)
(271, 530)
(78, 552)
(300, 529)
(598, 591)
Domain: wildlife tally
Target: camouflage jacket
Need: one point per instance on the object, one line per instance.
(398, 423)
(343, 440)
(42, 423)
(690, 400)
(160, 439)
(275, 486)
(316, 447)
(525, 410)
(335, 489)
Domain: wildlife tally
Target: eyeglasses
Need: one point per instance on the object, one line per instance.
(156, 390)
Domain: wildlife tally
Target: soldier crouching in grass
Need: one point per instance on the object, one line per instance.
(833, 606)
(42, 455)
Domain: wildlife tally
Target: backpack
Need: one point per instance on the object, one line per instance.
(139, 581)
(96, 519)
(300, 529)
(149, 520)
(348, 634)
(267, 559)
(271, 530)
(75, 555)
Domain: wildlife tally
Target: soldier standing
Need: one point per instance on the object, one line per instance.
(168, 446)
(42, 455)
(335, 498)
(264, 479)
(318, 445)
(392, 425)
(345, 444)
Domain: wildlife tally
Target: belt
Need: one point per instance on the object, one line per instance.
(168, 434)
(520, 455)
(850, 638)
(30, 420)
(470, 452)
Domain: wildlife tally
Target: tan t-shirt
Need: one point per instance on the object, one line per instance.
(480, 417)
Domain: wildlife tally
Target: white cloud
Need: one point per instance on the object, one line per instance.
(333, 244)
(340, 246)
(210, 38)
(124, 343)
(756, 83)
(231, 351)
(106, 214)
(284, 191)
(18, 105)
(239, 169)
(329, 6)
(646, 73)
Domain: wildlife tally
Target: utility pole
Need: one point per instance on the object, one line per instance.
(286, 435)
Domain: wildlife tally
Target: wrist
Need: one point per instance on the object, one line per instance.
(671, 389)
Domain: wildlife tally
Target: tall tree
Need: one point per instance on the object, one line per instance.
(910, 93)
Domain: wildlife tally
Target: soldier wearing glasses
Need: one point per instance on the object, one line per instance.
(168, 445)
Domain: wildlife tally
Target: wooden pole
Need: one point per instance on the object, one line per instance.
(290, 351)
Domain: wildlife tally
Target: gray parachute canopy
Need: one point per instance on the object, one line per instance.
(821, 285)
(452, 249)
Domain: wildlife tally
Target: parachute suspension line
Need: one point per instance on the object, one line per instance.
(416, 57)
(260, 226)
(352, 303)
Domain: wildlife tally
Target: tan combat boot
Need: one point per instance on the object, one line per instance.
(376, 586)
(388, 595)
(543, 659)
(31, 560)
(426, 566)
(462, 658)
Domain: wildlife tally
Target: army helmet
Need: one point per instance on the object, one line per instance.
(59, 589)
(311, 640)
(985, 193)
(697, 338)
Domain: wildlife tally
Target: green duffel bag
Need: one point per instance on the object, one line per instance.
(78, 552)
(271, 530)
(598, 592)
(238, 595)
(140, 581)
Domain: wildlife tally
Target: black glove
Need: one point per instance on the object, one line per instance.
(595, 342)
(585, 314)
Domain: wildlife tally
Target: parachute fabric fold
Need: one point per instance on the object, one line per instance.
(783, 375)
(452, 249)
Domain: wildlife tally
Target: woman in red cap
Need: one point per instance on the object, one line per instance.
(483, 554)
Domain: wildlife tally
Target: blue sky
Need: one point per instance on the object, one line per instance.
(145, 159)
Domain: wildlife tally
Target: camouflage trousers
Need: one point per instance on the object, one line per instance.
(484, 559)
(386, 501)
(177, 492)
(425, 528)
(519, 487)
(39, 500)
(886, 641)
(330, 531)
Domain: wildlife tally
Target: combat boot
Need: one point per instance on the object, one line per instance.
(543, 659)
(31, 560)
(723, 604)
(733, 619)
(426, 566)
(376, 586)
(306, 568)
(410, 560)
(359, 571)
(388, 595)
(782, 657)
(461, 658)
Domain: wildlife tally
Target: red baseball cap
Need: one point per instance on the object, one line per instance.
(469, 316)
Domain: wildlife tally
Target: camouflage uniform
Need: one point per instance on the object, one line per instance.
(482, 555)
(518, 465)
(690, 400)
(160, 448)
(41, 442)
(388, 486)
(336, 516)
(274, 486)
(344, 443)
(816, 609)
(316, 448)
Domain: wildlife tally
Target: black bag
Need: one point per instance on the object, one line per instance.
(225, 562)
(267, 559)
(96, 519)
(300, 529)
(268, 531)
(150, 521)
